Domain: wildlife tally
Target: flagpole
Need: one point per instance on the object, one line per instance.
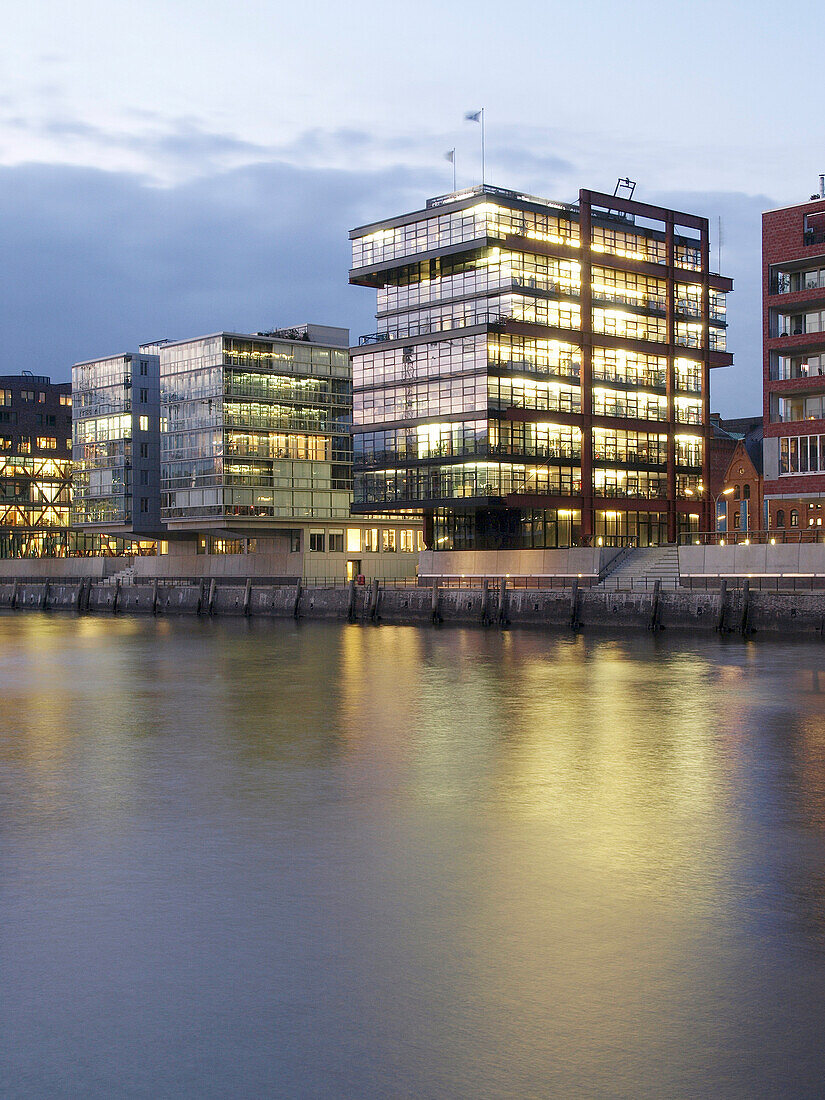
(482, 146)
(454, 186)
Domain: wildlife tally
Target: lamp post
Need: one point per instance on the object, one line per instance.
(724, 493)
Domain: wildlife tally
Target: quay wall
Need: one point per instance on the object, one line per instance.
(734, 611)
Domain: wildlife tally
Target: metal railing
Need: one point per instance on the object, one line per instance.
(775, 536)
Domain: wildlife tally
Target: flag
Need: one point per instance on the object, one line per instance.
(473, 116)
(450, 156)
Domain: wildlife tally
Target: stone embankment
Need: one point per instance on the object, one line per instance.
(725, 610)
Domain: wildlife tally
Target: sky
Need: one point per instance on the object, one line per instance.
(169, 168)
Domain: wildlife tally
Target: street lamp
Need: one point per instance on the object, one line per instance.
(724, 493)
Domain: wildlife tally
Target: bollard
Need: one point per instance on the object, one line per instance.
(247, 596)
(211, 604)
(485, 602)
(44, 599)
(502, 603)
(14, 594)
(351, 602)
(654, 615)
(375, 595)
(746, 606)
(155, 588)
(78, 597)
(436, 613)
(199, 607)
(296, 607)
(723, 592)
(116, 600)
(575, 624)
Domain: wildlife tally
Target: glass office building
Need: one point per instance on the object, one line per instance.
(116, 445)
(539, 376)
(255, 430)
(35, 466)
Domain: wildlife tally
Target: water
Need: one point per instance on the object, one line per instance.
(268, 860)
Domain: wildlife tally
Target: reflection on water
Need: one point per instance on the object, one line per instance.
(275, 860)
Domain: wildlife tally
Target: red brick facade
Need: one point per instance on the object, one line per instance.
(793, 241)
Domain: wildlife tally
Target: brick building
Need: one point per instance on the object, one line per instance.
(793, 320)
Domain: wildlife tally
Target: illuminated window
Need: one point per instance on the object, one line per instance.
(41, 397)
(66, 399)
(46, 443)
(5, 397)
(794, 517)
(25, 445)
(388, 543)
(143, 423)
(420, 541)
(27, 395)
(406, 542)
(353, 540)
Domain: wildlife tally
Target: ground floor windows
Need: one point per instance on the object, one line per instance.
(505, 529)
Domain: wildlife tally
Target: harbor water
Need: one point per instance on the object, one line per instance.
(277, 859)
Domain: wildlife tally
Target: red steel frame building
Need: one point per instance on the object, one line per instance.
(678, 321)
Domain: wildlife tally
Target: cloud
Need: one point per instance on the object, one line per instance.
(95, 262)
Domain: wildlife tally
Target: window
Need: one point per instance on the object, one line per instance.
(27, 395)
(41, 398)
(736, 520)
(371, 540)
(5, 442)
(144, 504)
(295, 542)
(406, 542)
(746, 492)
(68, 444)
(144, 396)
(144, 450)
(46, 443)
(143, 423)
(736, 493)
(5, 397)
(144, 367)
(420, 541)
(66, 399)
(336, 542)
(388, 543)
(316, 542)
(780, 518)
(353, 540)
(144, 477)
(794, 517)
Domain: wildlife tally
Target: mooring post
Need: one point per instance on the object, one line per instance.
(502, 603)
(723, 592)
(211, 600)
(247, 595)
(574, 605)
(116, 599)
(45, 598)
(296, 607)
(155, 594)
(78, 596)
(199, 608)
(14, 593)
(351, 602)
(746, 607)
(436, 613)
(375, 596)
(485, 602)
(654, 614)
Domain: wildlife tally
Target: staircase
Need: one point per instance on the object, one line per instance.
(125, 576)
(641, 568)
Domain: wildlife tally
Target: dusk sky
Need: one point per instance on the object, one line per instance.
(169, 169)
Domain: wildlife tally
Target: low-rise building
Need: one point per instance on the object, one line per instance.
(35, 466)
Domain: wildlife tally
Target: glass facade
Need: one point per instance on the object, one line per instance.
(254, 428)
(530, 359)
(115, 433)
